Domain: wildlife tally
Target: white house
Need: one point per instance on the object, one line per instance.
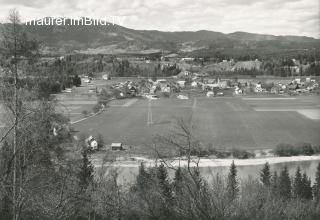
(194, 84)
(91, 143)
(105, 77)
(258, 88)
(181, 83)
(210, 93)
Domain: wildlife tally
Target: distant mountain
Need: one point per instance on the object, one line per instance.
(115, 39)
(244, 36)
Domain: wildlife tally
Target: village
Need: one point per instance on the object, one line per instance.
(187, 85)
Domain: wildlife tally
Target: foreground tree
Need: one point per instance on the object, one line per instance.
(164, 182)
(306, 187)
(165, 189)
(86, 171)
(232, 182)
(285, 183)
(17, 50)
(275, 183)
(316, 186)
(265, 175)
(297, 184)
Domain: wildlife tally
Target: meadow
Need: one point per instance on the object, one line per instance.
(222, 122)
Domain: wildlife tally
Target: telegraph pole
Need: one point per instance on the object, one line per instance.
(149, 122)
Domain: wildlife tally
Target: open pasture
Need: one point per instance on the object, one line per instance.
(224, 122)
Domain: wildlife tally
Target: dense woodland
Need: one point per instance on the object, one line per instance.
(48, 176)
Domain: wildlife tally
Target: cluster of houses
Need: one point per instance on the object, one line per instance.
(295, 86)
(214, 87)
(126, 89)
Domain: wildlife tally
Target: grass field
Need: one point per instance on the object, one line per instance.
(225, 122)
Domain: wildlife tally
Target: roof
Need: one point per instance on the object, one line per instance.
(172, 55)
(116, 144)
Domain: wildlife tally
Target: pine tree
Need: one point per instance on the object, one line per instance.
(275, 183)
(232, 182)
(306, 187)
(100, 141)
(265, 175)
(285, 183)
(297, 184)
(178, 175)
(164, 183)
(177, 181)
(86, 171)
(316, 186)
(143, 178)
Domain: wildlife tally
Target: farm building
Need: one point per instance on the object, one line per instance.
(116, 146)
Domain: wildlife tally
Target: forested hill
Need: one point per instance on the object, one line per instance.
(115, 39)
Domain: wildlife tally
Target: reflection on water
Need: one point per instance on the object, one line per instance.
(127, 174)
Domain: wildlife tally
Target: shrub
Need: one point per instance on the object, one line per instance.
(166, 94)
(306, 149)
(316, 149)
(242, 154)
(100, 141)
(97, 108)
(223, 154)
(287, 150)
(85, 112)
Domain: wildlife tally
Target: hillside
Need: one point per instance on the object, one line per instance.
(115, 39)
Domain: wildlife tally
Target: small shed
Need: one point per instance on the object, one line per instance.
(116, 146)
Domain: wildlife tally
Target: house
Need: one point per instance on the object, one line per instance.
(182, 97)
(184, 74)
(92, 90)
(181, 83)
(106, 77)
(91, 143)
(258, 87)
(161, 81)
(170, 57)
(237, 90)
(223, 84)
(116, 146)
(210, 93)
(194, 84)
(275, 90)
(297, 80)
(165, 88)
(68, 90)
(211, 86)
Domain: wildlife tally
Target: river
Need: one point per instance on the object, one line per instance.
(128, 174)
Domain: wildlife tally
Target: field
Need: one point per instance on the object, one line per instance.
(225, 122)
(257, 122)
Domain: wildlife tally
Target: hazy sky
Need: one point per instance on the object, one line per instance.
(278, 17)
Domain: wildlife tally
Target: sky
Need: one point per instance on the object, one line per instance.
(276, 17)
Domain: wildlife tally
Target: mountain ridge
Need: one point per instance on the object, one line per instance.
(113, 39)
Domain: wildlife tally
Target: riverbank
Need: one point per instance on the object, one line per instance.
(203, 162)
